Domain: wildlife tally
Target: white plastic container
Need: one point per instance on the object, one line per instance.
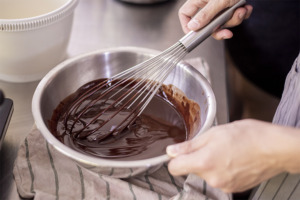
(34, 36)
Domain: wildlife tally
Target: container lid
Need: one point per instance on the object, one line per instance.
(25, 24)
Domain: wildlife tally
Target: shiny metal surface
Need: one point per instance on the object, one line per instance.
(68, 76)
(105, 24)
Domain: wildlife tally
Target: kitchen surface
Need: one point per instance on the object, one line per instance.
(102, 24)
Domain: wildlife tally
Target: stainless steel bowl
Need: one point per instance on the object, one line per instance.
(68, 76)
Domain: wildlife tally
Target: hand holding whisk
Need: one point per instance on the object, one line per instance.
(123, 97)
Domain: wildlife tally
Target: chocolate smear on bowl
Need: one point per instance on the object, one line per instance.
(169, 118)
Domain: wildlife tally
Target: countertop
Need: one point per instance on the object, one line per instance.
(104, 24)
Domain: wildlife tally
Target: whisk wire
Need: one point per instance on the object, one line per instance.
(180, 53)
(142, 82)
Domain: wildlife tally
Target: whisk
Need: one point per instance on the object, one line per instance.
(122, 98)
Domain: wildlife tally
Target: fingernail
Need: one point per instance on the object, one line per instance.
(171, 150)
(225, 37)
(194, 24)
(242, 15)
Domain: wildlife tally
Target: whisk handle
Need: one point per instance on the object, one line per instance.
(194, 38)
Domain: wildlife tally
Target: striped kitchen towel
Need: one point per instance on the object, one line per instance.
(43, 173)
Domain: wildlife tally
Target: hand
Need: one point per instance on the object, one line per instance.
(210, 8)
(238, 156)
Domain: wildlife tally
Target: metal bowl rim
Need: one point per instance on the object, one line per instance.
(94, 161)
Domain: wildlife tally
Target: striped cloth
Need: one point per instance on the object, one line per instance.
(285, 186)
(42, 173)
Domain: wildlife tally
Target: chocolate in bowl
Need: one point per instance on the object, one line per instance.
(166, 120)
(68, 76)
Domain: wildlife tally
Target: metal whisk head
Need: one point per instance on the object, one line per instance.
(121, 98)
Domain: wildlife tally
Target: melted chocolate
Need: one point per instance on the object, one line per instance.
(160, 125)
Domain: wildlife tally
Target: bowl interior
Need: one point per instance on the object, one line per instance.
(18, 9)
(67, 77)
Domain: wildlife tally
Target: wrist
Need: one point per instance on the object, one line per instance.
(286, 148)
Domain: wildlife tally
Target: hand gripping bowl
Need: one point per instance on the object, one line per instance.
(34, 35)
(68, 76)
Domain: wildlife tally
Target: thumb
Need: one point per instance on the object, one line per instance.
(186, 147)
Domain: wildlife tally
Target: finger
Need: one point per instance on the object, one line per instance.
(187, 11)
(222, 34)
(249, 11)
(206, 14)
(178, 149)
(238, 16)
(185, 164)
(186, 147)
(184, 21)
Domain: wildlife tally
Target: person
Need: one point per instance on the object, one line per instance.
(243, 154)
(272, 43)
(259, 57)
